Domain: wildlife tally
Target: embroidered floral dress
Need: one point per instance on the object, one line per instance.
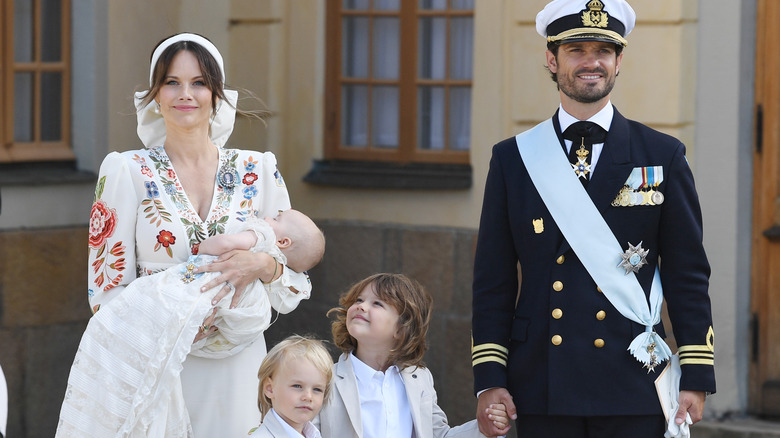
(143, 223)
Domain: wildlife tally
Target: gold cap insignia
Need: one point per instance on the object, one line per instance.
(595, 16)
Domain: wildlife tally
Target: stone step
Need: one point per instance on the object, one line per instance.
(737, 428)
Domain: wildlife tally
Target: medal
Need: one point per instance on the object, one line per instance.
(581, 167)
(657, 198)
(189, 273)
(654, 362)
(634, 258)
(227, 176)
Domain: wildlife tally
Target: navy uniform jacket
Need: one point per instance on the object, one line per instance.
(590, 372)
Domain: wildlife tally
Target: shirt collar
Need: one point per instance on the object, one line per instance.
(365, 373)
(309, 431)
(602, 118)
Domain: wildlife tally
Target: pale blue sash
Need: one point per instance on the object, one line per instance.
(591, 238)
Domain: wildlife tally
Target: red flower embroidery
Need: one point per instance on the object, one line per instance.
(195, 248)
(250, 178)
(102, 223)
(166, 238)
(145, 170)
(171, 174)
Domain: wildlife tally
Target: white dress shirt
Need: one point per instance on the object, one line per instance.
(384, 407)
(602, 118)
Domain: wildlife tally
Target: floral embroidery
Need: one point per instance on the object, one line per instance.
(165, 239)
(102, 224)
(218, 226)
(250, 192)
(146, 171)
(194, 231)
(250, 178)
(195, 248)
(151, 190)
(278, 178)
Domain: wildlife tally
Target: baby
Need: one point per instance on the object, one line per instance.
(294, 381)
(291, 237)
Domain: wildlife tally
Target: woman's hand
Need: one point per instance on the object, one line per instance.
(239, 268)
(207, 328)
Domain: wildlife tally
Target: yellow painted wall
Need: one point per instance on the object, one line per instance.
(275, 48)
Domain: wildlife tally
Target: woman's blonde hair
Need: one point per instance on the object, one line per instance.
(411, 301)
(294, 347)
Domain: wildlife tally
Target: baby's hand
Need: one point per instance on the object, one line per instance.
(497, 414)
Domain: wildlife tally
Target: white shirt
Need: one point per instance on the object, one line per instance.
(602, 118)
(384, 407)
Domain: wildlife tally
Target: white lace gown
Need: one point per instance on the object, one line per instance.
(142, 219)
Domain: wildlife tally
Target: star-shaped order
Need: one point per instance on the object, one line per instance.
(634, 258)
(581, 168)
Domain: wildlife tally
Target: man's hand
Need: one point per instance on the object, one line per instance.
(486, 403)
(692, 403)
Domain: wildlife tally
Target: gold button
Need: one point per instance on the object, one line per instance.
(600, 315)
(558, 286)
(557, 339)
(598, 343)
(599, 289)
(557, 313)
(560, 260)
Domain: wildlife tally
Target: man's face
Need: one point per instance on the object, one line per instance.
(586, 70)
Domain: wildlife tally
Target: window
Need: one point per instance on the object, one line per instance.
(35, 80)
(399, 80)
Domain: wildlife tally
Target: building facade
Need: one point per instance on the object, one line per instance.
(383, 117)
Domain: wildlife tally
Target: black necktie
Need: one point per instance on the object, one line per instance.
(583, 135)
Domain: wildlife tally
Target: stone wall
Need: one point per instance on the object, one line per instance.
(44, 310)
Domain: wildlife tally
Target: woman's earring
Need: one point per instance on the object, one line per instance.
(157, 108)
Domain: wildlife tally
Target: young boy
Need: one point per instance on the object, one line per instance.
(294, 380)
(384, 388)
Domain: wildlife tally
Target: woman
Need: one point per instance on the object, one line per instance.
(152, 209)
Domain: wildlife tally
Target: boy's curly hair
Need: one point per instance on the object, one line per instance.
(413, 304)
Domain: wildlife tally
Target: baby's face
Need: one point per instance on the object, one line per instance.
(280, 222)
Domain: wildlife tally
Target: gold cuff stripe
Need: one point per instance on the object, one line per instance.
(489, 346)
(697, 362)
(476, 362)
(696, 357)
(489, 354)
(702, 348)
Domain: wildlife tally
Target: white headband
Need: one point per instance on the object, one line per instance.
(186, 37)
(151, 125)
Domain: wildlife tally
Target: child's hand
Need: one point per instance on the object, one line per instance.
(497, 414)
(207, 328)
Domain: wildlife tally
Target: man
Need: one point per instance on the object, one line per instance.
(588, 212)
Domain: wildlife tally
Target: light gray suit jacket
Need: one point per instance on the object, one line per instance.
(340, 415)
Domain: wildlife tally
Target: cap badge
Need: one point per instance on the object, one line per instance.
(595, 16)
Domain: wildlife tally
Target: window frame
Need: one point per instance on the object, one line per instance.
(37, 150)
(407, 82)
